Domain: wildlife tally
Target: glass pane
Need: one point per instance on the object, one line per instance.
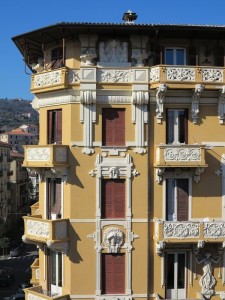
(181, 126)
(170, 272)
(169, 57)
(53, 267)
(180, 59)
(170, 126)
(181, 271)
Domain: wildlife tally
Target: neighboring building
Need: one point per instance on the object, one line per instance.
(17, 138)
(19, 182)
(131, 161)
(5, 196)
(31, 128)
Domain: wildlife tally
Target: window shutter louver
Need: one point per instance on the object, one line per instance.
(113, 274)
(182, 200)
(59, 127)
(50, 126)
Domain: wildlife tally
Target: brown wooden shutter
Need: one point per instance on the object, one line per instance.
(192, 55)
(59, 127)
(113, 127)
(113, 274)
(182, 199)
(113, 198)
(50, 126)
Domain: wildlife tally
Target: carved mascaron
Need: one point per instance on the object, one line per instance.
(113, 239)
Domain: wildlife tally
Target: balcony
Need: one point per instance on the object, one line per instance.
(189, 232)
(34, 209)
(50, 80)
(53, 233)
(174, 156)
(187, 76)
(35, 272)
(47, 156)
(38, 293)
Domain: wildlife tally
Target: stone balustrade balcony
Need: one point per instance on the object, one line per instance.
(35, 272)
(189, 231)
(187, 76)
(45, 156)
(46, 231)
(49, 80)
(179, 155)
(38, 293)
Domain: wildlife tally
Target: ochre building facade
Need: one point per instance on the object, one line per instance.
(131, 161)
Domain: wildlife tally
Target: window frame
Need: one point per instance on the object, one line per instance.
(176, 125)
(175, 49)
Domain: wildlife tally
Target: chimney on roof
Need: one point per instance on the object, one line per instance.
(129, 17)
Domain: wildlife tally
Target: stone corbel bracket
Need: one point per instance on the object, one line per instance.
(195, 102)
(159, 175)
(28, 241)
(160, 98)
(160, 246)
(221, 106)
(197, 173)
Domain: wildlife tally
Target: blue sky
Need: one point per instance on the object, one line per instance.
(20, 16)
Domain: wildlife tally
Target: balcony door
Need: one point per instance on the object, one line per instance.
(175, 56)
(176, 126)
(54, 198)
(176, 275)
(54, 271)
(177, 199)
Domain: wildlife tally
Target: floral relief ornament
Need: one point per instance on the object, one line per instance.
(113, 239)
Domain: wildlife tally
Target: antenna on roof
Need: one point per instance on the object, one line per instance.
(129, 17)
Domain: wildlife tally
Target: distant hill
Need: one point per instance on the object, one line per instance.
(16, 112)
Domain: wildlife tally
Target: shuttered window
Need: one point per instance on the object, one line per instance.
(113, 127)
(182, 199)
(113, 274)
(177, 199)
(55, 126)
(54, 198)
(113, 198)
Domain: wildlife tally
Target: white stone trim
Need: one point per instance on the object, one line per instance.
(213, 144)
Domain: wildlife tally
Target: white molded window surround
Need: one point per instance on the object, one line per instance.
(176, 126)
(175, 56)
(56, 272)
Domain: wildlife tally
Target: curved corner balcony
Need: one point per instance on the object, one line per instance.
(46, 156)
(189, 231)
(180, 155)
(187, 76)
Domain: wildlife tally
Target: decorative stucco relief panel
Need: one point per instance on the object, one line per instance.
(38, 154)
(38, 228)
(182, 154)
(47, 79)
(181, 230)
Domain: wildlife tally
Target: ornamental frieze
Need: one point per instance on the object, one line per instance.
(212, 75)
(180, 74)
(38, 228)
(38, 154)
(47, 79)
(214, 230)
(180, 230)
(182, 154)
(119, 76)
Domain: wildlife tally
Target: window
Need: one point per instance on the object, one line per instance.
(54, 271)
(176, 126)
(113, 127)
(55, 126)
(113, 274)
(113, 198)
(177, 199)
(175, 56)
(57, 58)
(54, 198)
(176, 275)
